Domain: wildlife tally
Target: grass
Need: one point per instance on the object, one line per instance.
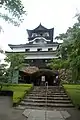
(74, 93)
(19, 90)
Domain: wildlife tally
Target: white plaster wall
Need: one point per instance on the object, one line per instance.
(40, 56)
(44, 48)
(54, 48)
(33, 49)
(19, 50)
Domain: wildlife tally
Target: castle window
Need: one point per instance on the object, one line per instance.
(39, 49)
(46, 34)
(32, 61)
(50, 49)
(39, 40)
(27, 50)
(34, 34)
(46, 61)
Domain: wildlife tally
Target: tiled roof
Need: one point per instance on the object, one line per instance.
(30, 69)
(31, 45)
(41, 28)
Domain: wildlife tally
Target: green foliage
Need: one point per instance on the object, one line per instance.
(16, 61)
(58, 64)
(65, 76)
(9, 20)
(3, 73)
(74, 92)
(70, 50)
(19, 90)
(15, 7)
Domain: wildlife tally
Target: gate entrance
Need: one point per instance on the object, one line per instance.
(40, 77)
(45, 75)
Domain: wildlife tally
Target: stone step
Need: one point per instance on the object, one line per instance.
(62, 91)
(56, 98)
(48, 101)
(53, 89)
(49, 87)
(44, 95)
(46, 105)
(23, 107)
(53, 93)
(48, 93)
(49, 98)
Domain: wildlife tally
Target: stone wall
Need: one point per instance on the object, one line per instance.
(65, 75)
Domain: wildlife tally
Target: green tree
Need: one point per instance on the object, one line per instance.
(15, 11)
(57, 64)
(3, 74)
(75, 58)
(16, 61)
(70, 49)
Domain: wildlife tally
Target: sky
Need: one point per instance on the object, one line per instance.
(50, 13)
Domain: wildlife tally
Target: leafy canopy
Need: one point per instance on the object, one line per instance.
(14, 8)
(16, 60)
(70, 50)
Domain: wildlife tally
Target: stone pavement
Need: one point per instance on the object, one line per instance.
(6, 110)
(12, 114)
(39, 113)
(55, 96)
(45, 115)
(56, 114)
(32, 114)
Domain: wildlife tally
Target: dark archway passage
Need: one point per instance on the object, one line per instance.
(24, 78)
(35, 78)
(50, 76)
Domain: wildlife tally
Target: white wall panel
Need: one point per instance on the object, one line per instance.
(40, 56)
(44, 48)
(18, 49)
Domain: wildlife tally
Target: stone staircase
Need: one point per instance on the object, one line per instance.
(56, 97)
